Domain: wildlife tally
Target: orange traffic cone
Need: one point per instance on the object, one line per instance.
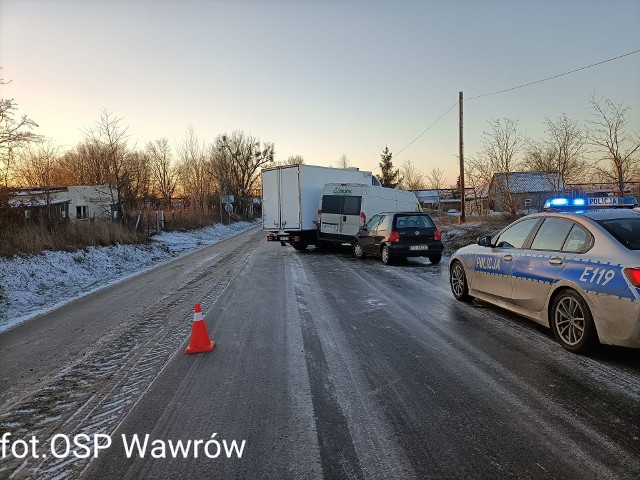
(199, 341)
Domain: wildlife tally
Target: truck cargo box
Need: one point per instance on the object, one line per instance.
(290, 198)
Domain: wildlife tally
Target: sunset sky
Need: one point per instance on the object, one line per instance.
(317, 79)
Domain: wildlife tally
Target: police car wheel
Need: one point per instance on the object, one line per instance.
(386, 255)
(458, 281)
(358, 252)
(572, 323)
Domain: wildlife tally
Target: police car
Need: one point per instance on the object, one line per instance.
(574, 268)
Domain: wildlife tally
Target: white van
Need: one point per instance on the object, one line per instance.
(346, 207)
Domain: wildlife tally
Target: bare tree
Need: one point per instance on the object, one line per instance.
(343, 162)
(410, 176)
(478, 175)
(294, 160)
(610, 136)
(500, 147)
(110, 138)
(37, 163)
(136, 178)
(14, 133)
(235, 163)
(85, 164)
(193, 170)
(560, 155)
(164, 173)
(436, 179)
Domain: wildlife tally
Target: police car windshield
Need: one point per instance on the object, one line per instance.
(625, 230)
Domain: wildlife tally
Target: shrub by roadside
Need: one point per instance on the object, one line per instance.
(455, 235)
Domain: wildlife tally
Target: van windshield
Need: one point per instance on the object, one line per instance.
(414, 221)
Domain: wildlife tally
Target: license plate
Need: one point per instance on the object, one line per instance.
(283, 238)
(419, 247)
(328, 227)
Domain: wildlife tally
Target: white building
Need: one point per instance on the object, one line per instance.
(88, 202)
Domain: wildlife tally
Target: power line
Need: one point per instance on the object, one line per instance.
(426, 129)
(514, 88)
(553, 76)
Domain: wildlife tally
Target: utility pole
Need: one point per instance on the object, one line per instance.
(462, 218)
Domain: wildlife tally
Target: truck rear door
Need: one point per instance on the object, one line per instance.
(289, 199)
(271, 199)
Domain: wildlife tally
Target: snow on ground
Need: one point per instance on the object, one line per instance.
(33, 285)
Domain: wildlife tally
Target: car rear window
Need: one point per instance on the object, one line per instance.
(625, 230)
(414, 221)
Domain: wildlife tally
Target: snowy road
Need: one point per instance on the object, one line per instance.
(328, 367)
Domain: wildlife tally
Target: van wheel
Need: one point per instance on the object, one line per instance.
(300, 246)
(386, 255)
(358, 252)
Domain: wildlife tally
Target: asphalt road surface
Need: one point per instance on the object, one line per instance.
(327, 367)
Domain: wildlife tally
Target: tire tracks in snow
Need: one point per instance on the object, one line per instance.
(96, 390)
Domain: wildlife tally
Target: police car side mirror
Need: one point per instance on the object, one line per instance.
(485, 241)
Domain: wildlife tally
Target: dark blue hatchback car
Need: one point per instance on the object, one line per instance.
(399, 234)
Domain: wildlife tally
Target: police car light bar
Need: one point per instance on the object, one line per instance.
(592, 202)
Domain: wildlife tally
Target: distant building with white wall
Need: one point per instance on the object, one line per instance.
(81, 202)
(89, 202)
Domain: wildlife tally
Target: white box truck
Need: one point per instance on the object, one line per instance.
(290, 198)
(346, 207)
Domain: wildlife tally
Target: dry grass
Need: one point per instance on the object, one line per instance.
(188, 219)
(30, 238)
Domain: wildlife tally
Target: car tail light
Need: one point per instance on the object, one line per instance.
(437, 235)
(363, 219)
(394, 237)
(633, 275)
(319, 218)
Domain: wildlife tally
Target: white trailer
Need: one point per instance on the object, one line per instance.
(290, 198)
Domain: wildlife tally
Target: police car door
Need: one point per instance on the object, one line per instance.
(536, 268)
(493, 266)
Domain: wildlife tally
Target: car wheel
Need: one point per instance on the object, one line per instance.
(386, 255)
(358, 252)
(458, 281)
(435, 258)
(300, 246)
(572, 322)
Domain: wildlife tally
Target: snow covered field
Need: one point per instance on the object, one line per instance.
(33, 285)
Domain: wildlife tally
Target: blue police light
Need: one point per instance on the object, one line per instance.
(590, 203)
